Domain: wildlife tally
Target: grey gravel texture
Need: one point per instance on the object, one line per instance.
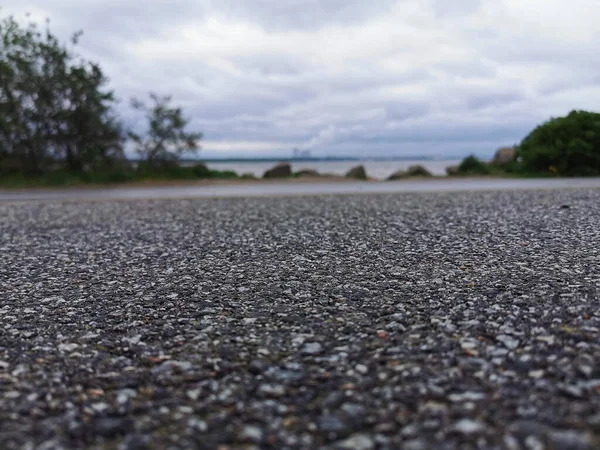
(415, 321)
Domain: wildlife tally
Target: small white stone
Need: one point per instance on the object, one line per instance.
(547, 339)
(467, 426)
(466, 396)
(511, 442)
(90, 336)
(251, 433)
(468, 345)
(361, 368)
(357, 442)
(194, 394)
(99, 407)
(312, 348)
(198, 424)
(272, 390)
(124, 395)
(298, 341)
(533, 443)
(133, 340)
(68, 347)
(509, 342)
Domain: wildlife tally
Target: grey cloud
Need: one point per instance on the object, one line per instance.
(484, 100)
(439, 132)
(270, 65)
(446, 8)
(572, 82)
(405, 110)
(527, 49)
(283, 15)
(483, 97)
(131, 19)
(469, 69)
(123, 18)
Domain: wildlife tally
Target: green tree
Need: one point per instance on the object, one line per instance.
(54, 110)
(165, 139)
(568, 146)
(94, 137)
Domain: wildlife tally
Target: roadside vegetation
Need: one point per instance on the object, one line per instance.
(564, 146)
(472, 165)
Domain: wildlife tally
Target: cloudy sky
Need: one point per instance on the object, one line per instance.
(344, 77)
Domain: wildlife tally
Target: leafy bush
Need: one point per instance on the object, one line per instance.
(166, 171)
(223, 174)
(567, 146)
(472, 165)
(200, 170)
(106, 176)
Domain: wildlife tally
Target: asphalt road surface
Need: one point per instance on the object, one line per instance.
(287, 188)
(414, 321)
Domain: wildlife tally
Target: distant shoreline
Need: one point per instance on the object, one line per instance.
(311, 159)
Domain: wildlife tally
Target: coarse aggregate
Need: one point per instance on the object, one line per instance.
(405, 321)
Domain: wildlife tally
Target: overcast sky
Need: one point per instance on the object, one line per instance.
(345, 77)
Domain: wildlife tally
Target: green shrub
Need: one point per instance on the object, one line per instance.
(113, 175)
(472, 165)
(172, 171)
(223, 174)
(201, 171)
(567, 146)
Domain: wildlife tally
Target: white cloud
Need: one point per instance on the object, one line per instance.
(346, 76)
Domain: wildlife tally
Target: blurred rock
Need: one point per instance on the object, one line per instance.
(308, 173)
(504, 155)
(358, 172)
(418, 171)
(452, 171)
(398, 175)
(281, 170)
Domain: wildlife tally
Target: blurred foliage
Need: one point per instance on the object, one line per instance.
(165, 140)
(472, 165)
(564, 146)
(55, 112)
(58, 124)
